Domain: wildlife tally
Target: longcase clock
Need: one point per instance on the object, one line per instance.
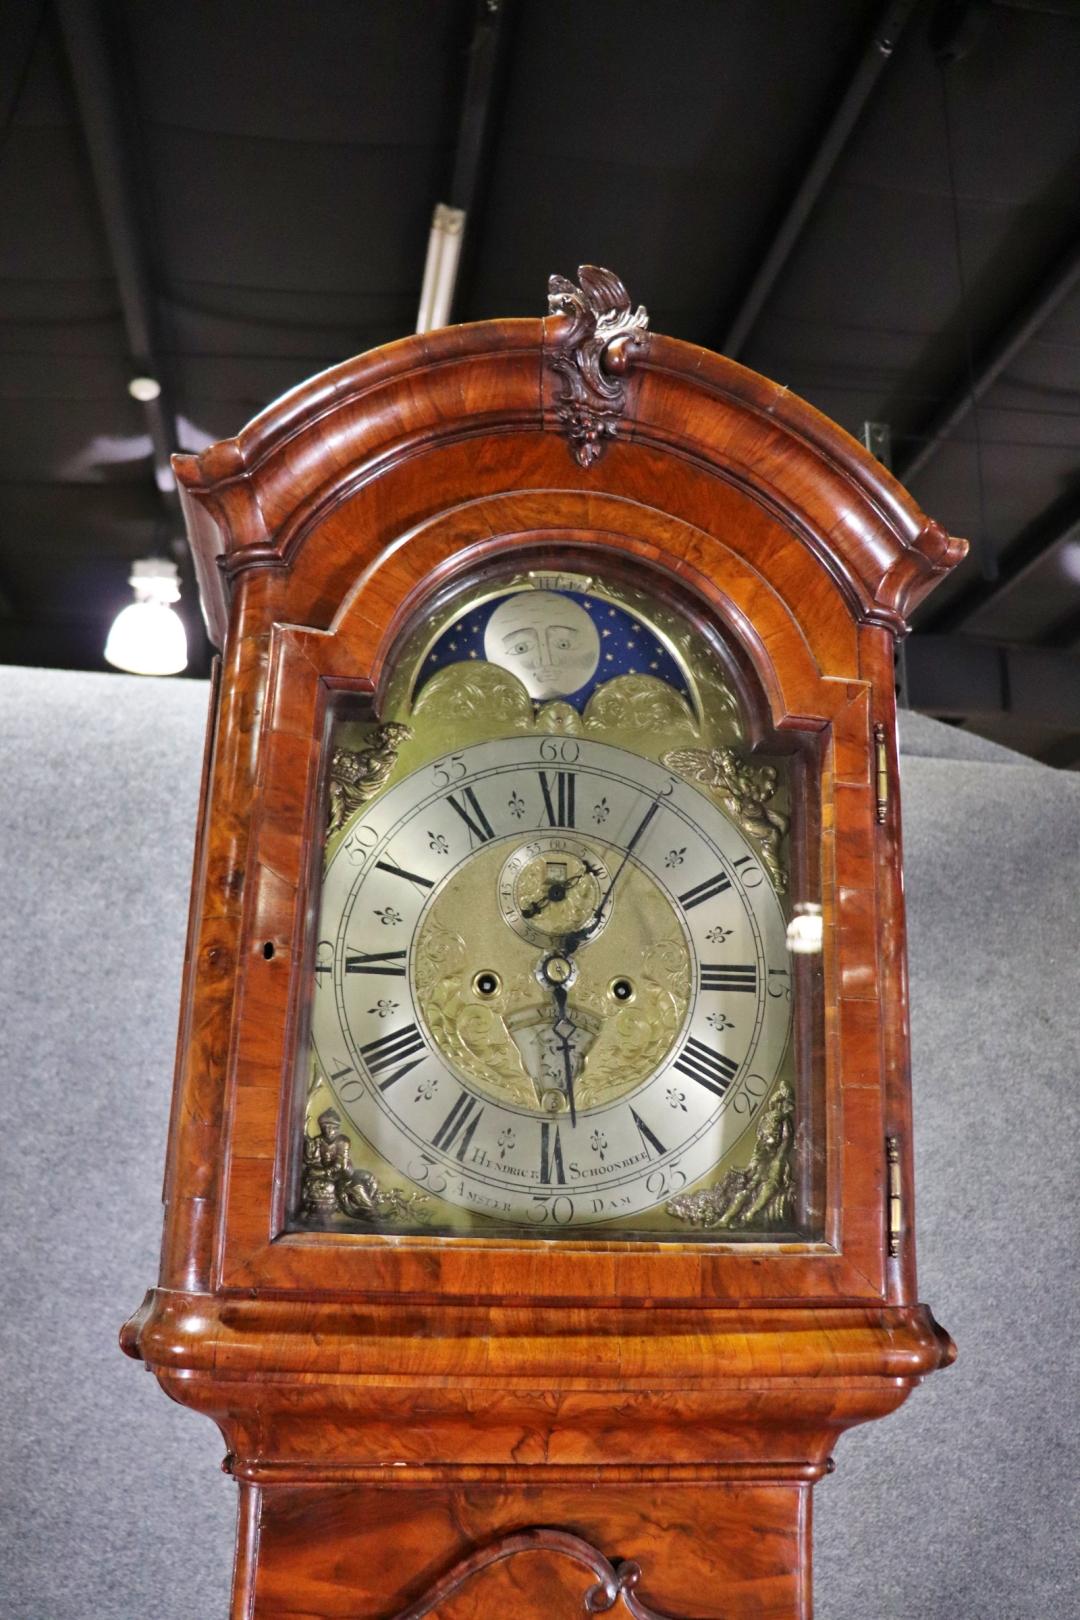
(538, 1202)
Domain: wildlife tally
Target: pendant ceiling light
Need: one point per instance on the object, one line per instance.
(148, 637)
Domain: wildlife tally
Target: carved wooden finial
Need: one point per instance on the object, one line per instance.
(594, 354)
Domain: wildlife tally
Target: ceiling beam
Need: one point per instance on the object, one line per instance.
(1015, 333)
(1063, 754)
(1056, 527)
(964, 678)
(486, 61)
(1065, 631)
(890, 24)
(112, 165)
(22, 31)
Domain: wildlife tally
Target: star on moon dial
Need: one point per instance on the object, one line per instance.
(551, 982)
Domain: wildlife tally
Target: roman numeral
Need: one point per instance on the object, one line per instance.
(551, 1159)
(397, 1047)
(715, 977)
(480, 828)
(704, 891)
(560, 803)
(710, 1069)
(410, 877)
(376, 962)
(462, 1121)
(649, 1138)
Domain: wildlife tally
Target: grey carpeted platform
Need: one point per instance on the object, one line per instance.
(960, 1507)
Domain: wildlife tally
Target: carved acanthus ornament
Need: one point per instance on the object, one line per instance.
(744, 791)
(763, 1192)
(596, 351)
(357, 775)
(331, 1186)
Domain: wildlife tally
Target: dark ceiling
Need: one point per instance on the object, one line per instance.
(877, 205)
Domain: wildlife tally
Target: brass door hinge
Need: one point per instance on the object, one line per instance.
(896, 1197)
(881, 771)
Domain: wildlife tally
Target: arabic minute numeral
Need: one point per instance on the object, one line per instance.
(748, 1098)
(558, 1209)
(448, 770)
(753, 877)
(428, 1173)
(566, 749)
(662, 1181)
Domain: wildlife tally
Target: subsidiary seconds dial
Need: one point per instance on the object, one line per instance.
(551, 981)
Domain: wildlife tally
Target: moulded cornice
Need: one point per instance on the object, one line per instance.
(365, 418)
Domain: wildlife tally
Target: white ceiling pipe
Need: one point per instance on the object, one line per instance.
(441, 267)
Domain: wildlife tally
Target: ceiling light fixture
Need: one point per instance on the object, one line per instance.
(144, 389)
(148, 636)
(441, 267)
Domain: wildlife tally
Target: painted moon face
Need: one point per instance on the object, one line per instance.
(546, 640)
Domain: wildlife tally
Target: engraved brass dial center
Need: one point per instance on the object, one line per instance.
(500, 1031)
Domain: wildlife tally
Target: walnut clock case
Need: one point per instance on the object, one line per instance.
(538, 1200)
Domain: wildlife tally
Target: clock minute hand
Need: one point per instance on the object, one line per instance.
(581, 936)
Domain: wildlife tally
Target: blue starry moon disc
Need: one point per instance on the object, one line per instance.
(559, 644)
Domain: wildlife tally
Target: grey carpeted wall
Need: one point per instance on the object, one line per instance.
(959, 1507)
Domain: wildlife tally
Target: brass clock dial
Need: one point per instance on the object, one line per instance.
(552, 987)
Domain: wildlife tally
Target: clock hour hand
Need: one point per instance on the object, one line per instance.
(564, 1028)
(558, 891)
(556, 972)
